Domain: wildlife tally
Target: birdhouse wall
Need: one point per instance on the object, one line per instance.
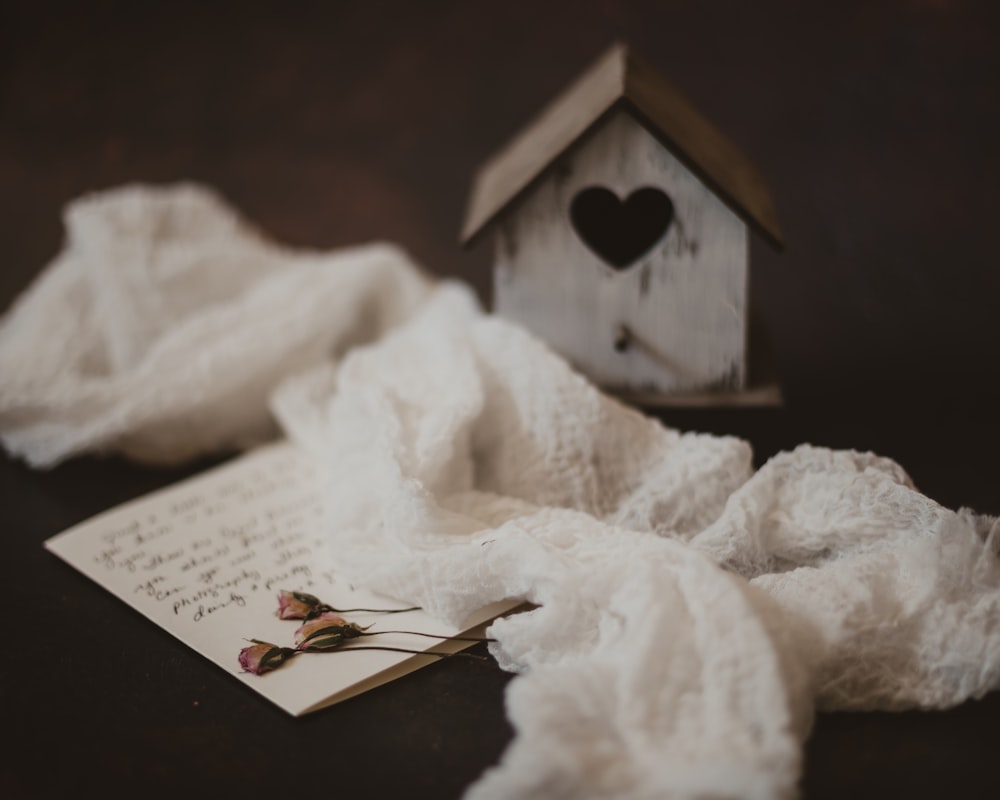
(684, 301)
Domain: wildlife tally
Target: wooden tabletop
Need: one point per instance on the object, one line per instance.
(329, 124)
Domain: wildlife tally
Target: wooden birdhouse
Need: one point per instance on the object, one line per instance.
(621, 221)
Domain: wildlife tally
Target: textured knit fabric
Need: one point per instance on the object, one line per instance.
(687, 614)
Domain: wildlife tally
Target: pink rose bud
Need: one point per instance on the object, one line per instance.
(297, 605)
(326, 632)
(263, 657)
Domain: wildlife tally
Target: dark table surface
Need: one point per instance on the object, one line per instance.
(332, 124)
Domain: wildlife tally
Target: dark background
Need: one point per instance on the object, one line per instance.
(327, 124)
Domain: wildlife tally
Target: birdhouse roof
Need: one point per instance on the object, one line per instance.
(619, 79)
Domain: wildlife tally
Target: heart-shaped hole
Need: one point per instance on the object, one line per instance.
(621, 232)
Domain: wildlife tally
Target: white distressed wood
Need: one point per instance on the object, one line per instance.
(685, 301)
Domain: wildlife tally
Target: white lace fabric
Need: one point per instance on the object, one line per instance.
(688, 614)
(166, 321)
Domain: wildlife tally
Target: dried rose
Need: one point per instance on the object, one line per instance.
(297, 605)
(326, 632)
(263, 657)
(302, 605)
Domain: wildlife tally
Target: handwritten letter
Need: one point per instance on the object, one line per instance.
(206, 558)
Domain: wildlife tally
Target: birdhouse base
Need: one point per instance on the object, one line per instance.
(764, 395)
(763, 389)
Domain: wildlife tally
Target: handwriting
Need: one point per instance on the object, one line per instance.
(202, 552)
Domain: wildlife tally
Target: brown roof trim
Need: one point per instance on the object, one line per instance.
(620, 78)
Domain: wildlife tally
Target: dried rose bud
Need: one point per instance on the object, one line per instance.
(326, 632)
(297, 605)
(302, 605)
(263, 657)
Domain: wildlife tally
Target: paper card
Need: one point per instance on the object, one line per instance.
(206, 558)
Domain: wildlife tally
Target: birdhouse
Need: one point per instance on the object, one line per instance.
(621, 221)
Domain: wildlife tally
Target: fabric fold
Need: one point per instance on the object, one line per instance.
(165, 323)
